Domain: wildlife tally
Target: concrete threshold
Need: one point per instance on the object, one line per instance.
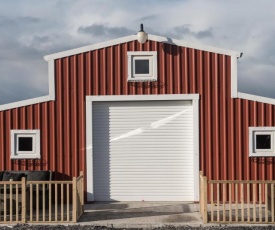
(141, 214)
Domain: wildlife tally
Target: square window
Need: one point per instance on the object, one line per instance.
(261, 141)
(142, 66)
(25, 144)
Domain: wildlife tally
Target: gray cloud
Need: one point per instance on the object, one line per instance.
(148, 18)
(100, 30)
(185, 31)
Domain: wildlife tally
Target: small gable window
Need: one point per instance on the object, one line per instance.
(25, 144)
(142, 66)
(261, 141)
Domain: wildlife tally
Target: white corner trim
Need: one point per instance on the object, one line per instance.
(49, 97)
(89, 150)
(196, 148)
(89, 132)
(256, 98)
(234, 81)
(51, 79)
(134, 37)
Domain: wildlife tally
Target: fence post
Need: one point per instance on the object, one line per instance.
(74, 200)
(203, 197)
(200, 191)
(23, 186)
(82, 191)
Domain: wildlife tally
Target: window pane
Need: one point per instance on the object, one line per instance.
(25, 143)
(142, 66)
(263, 141)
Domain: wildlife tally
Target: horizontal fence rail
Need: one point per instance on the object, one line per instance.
(237, 201)
(41, 201)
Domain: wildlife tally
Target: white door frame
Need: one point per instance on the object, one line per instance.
(166, 97)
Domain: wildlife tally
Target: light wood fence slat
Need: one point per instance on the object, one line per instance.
(266, 203)
(236, 204)
(260, 203)
(248, 203)
(212, 201)
(242, 201)
(62, 203)
(5, 203)
(74, 200)
(224, 198)
(37, 202)
(17, 202)
(68, 203)
(254, 202)
(50, 202)
(272, 202)
(11, 204)
(230, 202)
(31, 202)
(55, 203)
(218, 202)
(23, 193)
(44, 201)
(205, 220)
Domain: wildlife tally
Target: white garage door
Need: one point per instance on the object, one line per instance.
(143, 150)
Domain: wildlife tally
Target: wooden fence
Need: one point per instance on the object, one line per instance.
(41, 201)
(237, 201)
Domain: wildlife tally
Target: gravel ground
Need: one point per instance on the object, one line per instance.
(86, 227)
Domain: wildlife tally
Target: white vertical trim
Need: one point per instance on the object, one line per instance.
(89, 149)
(89, 132)
(51, 76)
(196, 144)
(234, 81)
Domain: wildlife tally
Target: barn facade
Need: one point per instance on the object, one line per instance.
(141, 121)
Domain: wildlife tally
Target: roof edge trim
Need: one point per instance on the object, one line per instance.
(256, 98)
(89, 47)
(134, 37)
(31, 101)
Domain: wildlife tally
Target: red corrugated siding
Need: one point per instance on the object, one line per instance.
(223, 121)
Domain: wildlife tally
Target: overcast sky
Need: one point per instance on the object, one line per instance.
(31, 29)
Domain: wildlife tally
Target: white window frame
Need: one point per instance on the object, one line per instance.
(142, 55)
(253, 132)
(35, 153)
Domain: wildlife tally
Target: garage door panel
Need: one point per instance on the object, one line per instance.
(143, 151)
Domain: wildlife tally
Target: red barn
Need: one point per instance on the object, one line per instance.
(141, 120)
